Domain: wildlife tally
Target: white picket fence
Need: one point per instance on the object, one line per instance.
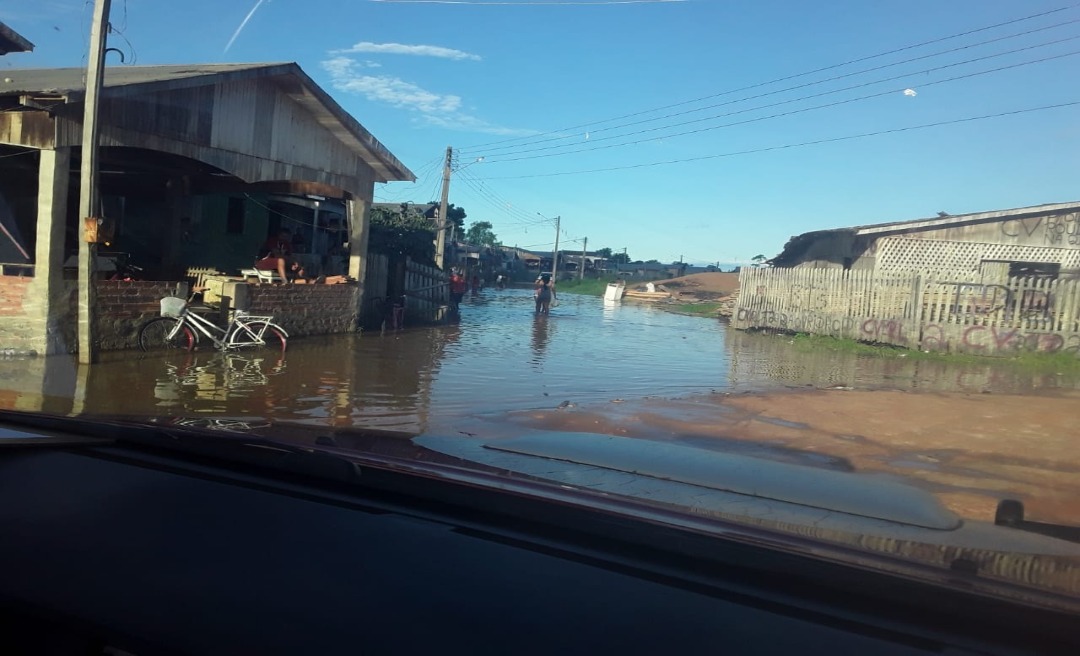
(920, 310)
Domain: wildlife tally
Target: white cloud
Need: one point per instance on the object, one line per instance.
(403, 49)
(433, 109)
(346, 75)
(466, 123)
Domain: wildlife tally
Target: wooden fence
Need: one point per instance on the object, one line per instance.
(427, 292)
(1000, 316)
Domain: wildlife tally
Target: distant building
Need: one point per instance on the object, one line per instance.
(1041, 240)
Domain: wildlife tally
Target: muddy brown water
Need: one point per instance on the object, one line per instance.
(499, 360)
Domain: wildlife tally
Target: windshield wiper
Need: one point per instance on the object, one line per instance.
(1010, 513)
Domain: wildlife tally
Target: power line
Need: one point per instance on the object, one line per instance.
(788, 77)
(770, 116)
(518, 218)
(795, 145)
(522, 217)
(804, 85)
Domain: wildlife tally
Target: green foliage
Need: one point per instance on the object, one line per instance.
(480, 233)
(406, 233)
(757, 260)
(455, 215)
(692, 309)
(588, 286)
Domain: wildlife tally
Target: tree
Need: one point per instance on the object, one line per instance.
(480, 233)
(403, 232)
(454, 216)
(616, 258)
(757, 260)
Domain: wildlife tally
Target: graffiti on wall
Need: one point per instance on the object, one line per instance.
(1060, 230)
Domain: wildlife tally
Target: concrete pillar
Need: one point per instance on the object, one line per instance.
(178, 195)
(359, 221)
(48, 309)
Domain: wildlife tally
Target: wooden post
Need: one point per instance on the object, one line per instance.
(88, 191)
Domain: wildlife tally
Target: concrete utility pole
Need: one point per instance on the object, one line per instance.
(584, 251)
(88, 186)
(555, 254)
(440, 235)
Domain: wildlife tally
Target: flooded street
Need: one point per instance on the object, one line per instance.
(971, 432)
(500, 359)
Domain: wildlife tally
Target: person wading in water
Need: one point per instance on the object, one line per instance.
(545, 293)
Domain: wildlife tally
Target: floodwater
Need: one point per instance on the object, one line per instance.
(500, 359)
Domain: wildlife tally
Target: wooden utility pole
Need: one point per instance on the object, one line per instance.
(89, 207)
(555, 254)
(584, 251)
(440, 234)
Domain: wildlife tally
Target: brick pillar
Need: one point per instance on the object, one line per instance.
(47, 307)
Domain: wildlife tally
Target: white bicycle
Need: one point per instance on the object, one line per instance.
(180, 328)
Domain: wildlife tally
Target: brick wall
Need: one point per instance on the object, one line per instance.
(15, 329)
(308, 309)
(12, 292)
(123, 306)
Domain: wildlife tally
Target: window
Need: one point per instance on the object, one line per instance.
(1034, 270)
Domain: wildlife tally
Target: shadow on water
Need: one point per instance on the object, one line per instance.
(499, 358)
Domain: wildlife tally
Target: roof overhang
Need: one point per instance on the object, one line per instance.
(960, 219)
(12, 41)
(68, 86)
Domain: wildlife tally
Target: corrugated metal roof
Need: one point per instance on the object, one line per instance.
(70, 83)
(12, 41)
(65, 81)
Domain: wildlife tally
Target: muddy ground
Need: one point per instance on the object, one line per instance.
(970, 450)
(702, 286)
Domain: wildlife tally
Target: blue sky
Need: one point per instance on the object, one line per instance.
(520, 84)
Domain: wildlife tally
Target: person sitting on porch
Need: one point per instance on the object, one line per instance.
(275, 252)
(299, 277)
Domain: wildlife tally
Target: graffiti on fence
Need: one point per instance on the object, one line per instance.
(933, 338)
(797, 321)
(991, 340)
(978, 298)
(884, 330)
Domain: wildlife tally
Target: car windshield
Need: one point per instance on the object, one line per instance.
(806, 269)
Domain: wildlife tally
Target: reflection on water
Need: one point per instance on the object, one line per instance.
(499, 358)
(541, 335)
(759, 358)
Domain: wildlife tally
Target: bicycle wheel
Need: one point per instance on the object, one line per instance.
(247, 336)
(154, 335)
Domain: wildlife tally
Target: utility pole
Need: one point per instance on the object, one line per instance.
(88, 184)
(555, 255)
(584, 251)
(440, 235)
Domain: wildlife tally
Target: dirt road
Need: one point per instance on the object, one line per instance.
(970, 450)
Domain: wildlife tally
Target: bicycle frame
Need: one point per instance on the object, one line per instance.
(241, 321)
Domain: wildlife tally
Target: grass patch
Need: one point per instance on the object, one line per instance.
(692, 309)
(588, 286)
(1040, 362)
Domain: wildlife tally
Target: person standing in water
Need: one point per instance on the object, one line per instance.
(544, 293)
